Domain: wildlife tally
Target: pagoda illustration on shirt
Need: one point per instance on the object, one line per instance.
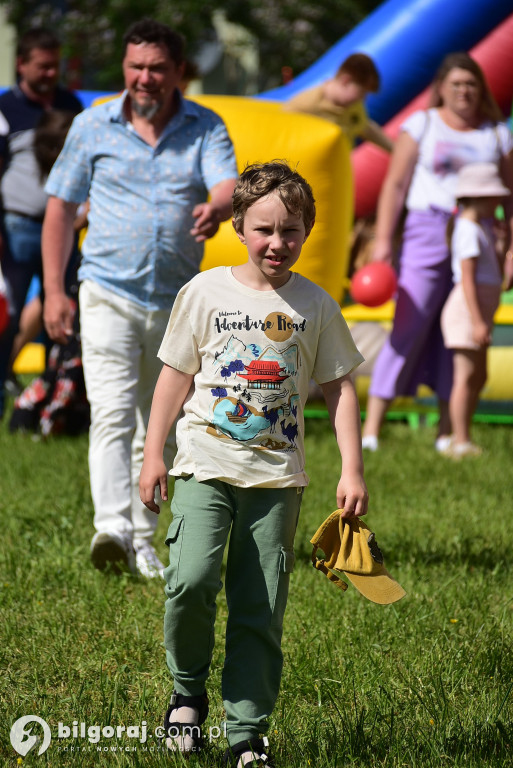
(258, 402)
(264, 374)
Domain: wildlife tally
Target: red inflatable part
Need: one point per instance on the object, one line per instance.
(374, 284)
(4, 312)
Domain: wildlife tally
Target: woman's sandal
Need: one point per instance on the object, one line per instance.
(185, 736)
(256, 746)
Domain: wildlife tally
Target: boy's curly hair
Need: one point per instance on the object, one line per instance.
(260, 179)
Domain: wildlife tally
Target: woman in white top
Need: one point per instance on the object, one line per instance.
(462, 126)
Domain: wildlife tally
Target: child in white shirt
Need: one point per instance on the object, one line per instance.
(240, 349)
(467, 317)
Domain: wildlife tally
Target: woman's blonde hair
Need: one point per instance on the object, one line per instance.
(488, 107)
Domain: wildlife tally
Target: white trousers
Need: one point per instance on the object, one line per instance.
(120, 341)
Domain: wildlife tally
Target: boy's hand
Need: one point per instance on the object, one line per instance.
(352, 495)
(153, 475)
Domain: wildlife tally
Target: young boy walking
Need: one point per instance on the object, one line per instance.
(239, 351)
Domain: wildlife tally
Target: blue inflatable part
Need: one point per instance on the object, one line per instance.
(408, 40)
(87, 97)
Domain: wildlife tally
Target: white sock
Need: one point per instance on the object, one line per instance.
(187, 716)
(370, 442)
(245, 758)
(250, 755)
(442, 443)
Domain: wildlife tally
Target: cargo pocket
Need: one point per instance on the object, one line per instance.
(287, 560)
(174, 540)
(286, 563)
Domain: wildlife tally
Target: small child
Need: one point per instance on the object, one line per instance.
(240, 349)
(467, 317)
(340, 100)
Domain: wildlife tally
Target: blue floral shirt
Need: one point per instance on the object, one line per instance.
(138, 243)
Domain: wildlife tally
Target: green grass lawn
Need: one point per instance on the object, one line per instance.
(426, 682)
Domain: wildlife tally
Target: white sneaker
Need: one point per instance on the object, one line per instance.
(147, 562)
(114, 549)
(461, 450)
(370, 443)
(442, 443)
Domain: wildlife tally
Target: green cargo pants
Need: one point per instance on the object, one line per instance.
(260, 524)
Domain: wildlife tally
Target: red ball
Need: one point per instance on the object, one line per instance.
(374, 284)
(4, 312)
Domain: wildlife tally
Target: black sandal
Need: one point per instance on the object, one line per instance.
(255, 745)
(174, 729)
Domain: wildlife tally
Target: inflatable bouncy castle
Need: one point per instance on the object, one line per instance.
(407, 39)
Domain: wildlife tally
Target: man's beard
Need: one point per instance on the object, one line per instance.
(42, 88)
(147, 111)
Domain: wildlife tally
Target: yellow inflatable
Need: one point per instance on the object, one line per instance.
(320, 152)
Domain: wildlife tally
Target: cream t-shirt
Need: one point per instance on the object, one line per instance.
(252, 354)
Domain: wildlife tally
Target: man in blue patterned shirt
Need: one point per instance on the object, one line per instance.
(146, 162)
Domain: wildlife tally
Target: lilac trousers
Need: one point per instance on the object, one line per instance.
(414, 353)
